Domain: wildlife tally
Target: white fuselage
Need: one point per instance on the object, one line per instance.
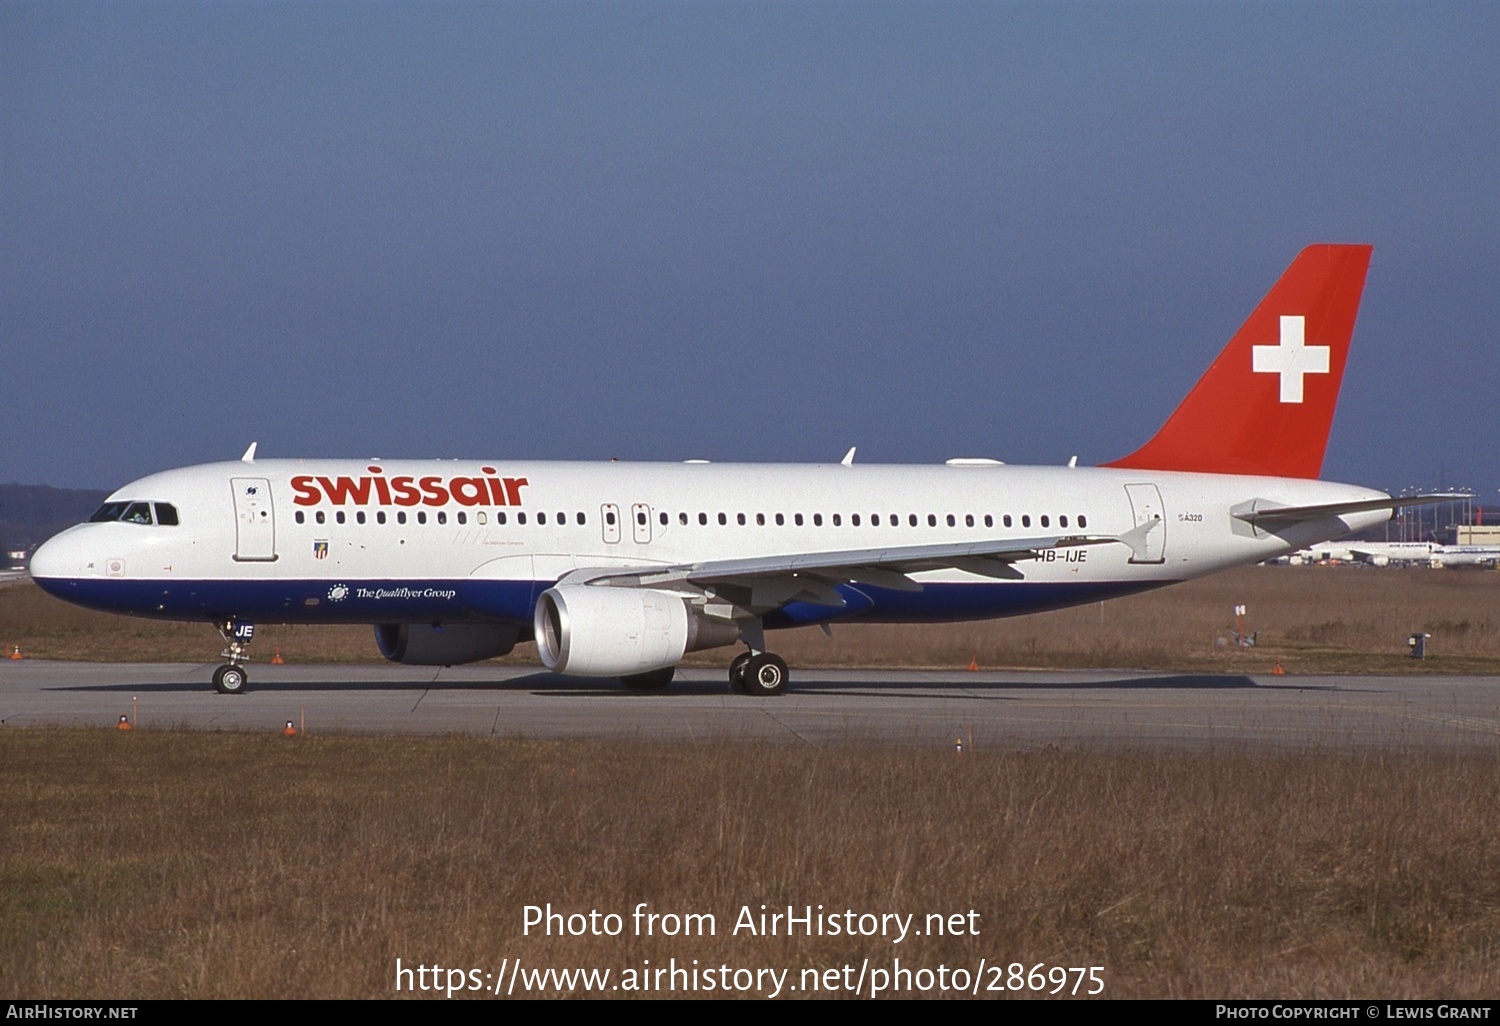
(320, 541)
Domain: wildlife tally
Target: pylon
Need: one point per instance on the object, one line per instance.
(289, 730)
(15, 653)
(124, 724)
(1278, 671)
(276, 659)
(974, 662)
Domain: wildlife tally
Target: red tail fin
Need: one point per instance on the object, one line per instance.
(1266, 404)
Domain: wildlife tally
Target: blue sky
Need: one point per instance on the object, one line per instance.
(727, 231)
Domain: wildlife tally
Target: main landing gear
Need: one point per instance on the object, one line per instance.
(758, 673)
(230, 679)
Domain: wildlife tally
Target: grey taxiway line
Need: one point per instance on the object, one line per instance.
(1018, 709)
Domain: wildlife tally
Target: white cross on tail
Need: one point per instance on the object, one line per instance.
(1291, 359)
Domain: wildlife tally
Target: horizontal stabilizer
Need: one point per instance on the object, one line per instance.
(1253, 512)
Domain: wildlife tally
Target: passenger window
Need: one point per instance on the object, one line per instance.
(500, 518)
(442, 516)
(682, 519)
(301, 517)
(582, 521)
(740, 519)
(1007, 520)
(702, 519)
(541, 518)
(760, 520)
(797, 519)
(932, 520)
(1026, 520)
(400, 517)
(562, 519)
(462, 517)
(723, 520)
(1083, 521)
(480, 517)
(854, 519)
(951, 521)
(1046, 522)
(166, 514)
(989, 520)
(780, 520)
(664, 520)
(380, 517)
(359, 517)
(874, 519)
(912, 519)
(318, 516)
(1062, 521)
(521, 519)
(969, 520)
(817, 520)
(339, 516)
(609, 518)
(837, 522)
(421, 516)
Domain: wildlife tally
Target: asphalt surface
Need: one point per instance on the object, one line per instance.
(985, 708)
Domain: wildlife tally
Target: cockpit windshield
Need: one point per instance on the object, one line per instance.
(135, 513)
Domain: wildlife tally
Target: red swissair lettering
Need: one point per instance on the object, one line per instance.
(404, 490)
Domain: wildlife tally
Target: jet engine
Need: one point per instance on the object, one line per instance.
(424, 644)
(617, 632)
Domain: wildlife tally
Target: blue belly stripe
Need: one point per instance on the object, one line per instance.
(471, 601)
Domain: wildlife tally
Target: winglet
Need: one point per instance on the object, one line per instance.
(1266, 404)
(249, 456)
(848, 459)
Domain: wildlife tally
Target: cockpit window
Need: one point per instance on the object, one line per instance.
(135, 513)
(108, 512)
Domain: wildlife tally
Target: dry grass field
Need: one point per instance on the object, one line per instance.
(1311, 619)
(163, 864)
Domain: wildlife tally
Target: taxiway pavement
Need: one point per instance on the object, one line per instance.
(984, 708)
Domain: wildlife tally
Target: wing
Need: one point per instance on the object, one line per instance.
(763, 583)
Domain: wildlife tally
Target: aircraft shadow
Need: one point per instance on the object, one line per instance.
(548, 685)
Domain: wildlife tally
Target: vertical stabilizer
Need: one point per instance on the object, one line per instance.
(1266, 404)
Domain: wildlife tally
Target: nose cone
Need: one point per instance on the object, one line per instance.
(65, 557)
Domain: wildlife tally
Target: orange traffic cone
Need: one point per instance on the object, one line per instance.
(974, 662)
(15, 653)
(124, 724)
(276, 659)
(1278, 671)
(289, 730)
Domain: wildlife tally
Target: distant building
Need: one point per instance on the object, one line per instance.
(15, 559)
(1470, 534)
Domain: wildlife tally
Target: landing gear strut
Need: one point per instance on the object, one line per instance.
(230, 679)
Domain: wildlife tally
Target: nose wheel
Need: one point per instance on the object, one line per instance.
(230, 679)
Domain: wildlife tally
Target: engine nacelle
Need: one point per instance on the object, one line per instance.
(615, 632)
(425, 644)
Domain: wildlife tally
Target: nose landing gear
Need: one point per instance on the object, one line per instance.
(230, 679)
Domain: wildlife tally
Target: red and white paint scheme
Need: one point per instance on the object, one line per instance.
(619, 569)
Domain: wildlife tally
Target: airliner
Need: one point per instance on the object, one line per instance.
(1430, 554)
(619, 569)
